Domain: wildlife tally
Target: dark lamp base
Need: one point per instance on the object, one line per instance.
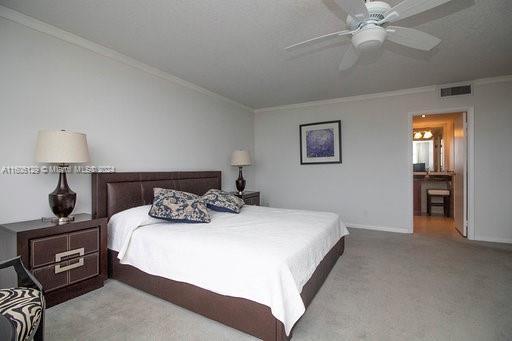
(62, 200)
(240, 182)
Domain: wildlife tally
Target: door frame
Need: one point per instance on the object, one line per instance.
(470, 155)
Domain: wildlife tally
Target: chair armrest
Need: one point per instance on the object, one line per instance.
(25, 278)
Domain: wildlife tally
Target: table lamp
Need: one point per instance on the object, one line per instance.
(240, 158)
(62, 148)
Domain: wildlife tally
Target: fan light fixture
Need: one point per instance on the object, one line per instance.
(368, 24)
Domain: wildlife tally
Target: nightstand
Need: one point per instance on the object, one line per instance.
(68, 260)
(249, 197)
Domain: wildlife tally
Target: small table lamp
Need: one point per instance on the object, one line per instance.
(62, 148)
(240, 158)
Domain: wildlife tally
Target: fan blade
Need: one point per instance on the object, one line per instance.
(314, 40)
(355, 8)
(408, 8)
(349, 58)
(412, 38)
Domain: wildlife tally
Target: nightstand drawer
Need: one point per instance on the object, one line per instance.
(249, 197)
(89, 240)
(43, 250)
(90, 268)
(49, 279)
(252, 201)
(53, 249)
(59, 275)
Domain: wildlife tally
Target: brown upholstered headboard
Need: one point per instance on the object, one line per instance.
(115, 192)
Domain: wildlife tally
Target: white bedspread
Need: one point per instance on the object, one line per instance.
(262, 254)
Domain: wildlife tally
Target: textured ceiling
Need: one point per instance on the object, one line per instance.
(235, 47)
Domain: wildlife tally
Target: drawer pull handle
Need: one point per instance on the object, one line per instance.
(79, 252)
(59, 268)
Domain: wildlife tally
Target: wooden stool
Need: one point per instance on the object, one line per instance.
(439, 193)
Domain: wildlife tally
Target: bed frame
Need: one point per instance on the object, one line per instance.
(115, 192)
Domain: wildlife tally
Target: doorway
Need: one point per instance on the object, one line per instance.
(440, 173)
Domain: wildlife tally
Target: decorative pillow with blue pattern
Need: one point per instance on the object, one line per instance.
(178, 206)
(222, 201)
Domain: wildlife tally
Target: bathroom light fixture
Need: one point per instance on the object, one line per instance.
(418, 135)
(427, 134)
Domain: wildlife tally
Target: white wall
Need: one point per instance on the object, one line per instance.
(134, 120)
(372, 187)
(137, 121)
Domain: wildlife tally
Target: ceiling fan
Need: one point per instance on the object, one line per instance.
(368, 25)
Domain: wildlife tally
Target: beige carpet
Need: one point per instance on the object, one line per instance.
(386, 286)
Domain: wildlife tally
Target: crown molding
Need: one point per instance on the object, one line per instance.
(492, 80)
(68, 37)
(349, 99)
(432, 88)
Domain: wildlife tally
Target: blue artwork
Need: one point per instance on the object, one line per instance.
(320, 143)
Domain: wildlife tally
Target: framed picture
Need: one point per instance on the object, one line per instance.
(320, 143)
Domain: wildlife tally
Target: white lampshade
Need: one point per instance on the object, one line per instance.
(62, 147)
(240, 158)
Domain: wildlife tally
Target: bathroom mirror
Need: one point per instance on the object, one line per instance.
(427, 148)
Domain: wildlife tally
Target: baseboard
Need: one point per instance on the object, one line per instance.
(380, 228)
(493, 240)
(406, 230)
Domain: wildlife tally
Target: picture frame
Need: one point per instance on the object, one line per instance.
(320, 143)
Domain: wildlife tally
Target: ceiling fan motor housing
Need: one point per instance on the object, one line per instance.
(369, 35)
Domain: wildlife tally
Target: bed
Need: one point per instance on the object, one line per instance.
(311, 253)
